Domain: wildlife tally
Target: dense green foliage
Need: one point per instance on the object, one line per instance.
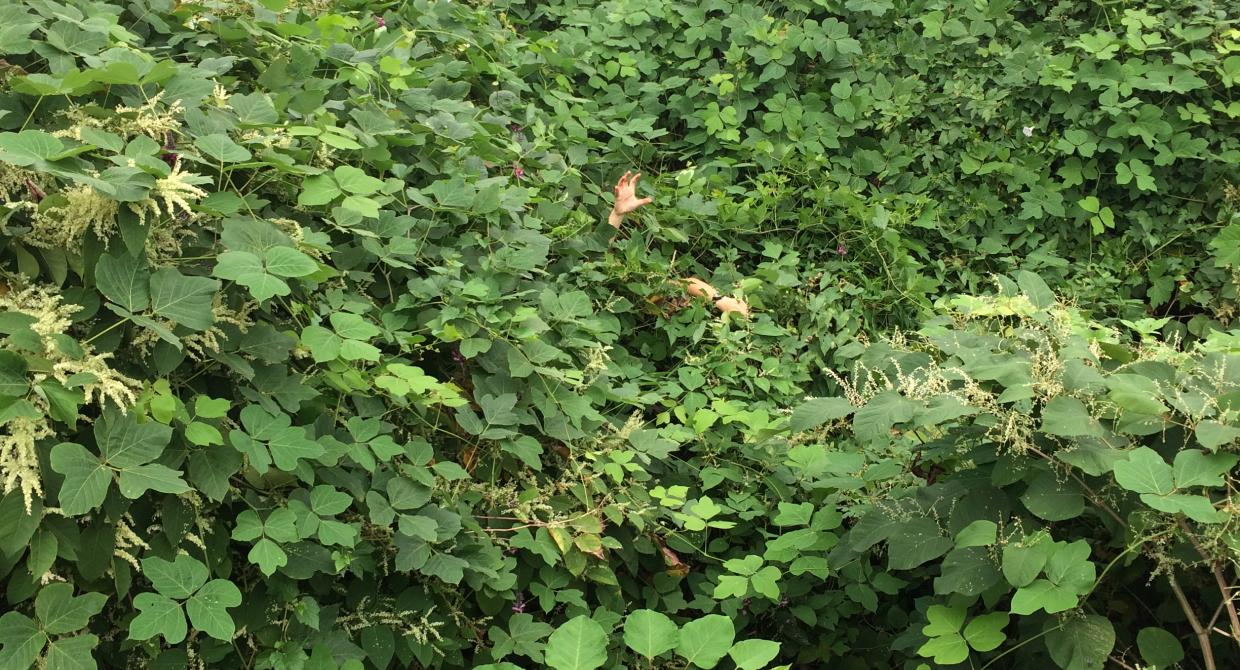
(317, 354)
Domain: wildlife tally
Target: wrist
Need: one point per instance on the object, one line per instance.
(614, 219)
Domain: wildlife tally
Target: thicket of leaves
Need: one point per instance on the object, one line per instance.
(316, 353)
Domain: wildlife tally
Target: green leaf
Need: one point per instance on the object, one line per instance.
(59, 612)
(21, 641)
(1159, 648)
(13, 380)
(578, 644)
(915, 542)
(949, 649)
(1136, 394)
(178, 578)
(157, 615)
(1144, 471)
(941, 620)
(327, 501)
(1053, 500)
(286, 262)
(126, 443)
(29, 147)
(353, 180)
(1067, 417)
(71, 653)
(817, 411)
(1082, 643)
(650, 633)
(184, 300)
(704, 641)
(221, 148)
(268, 556)
(753, 654)
(138, 479)
(980, 533)
(1195, 468)
(125, 281)
(86, 478)
(1213, 434)
(318, 190)
(1022, 564)
(208, 608)
(985, 632)
(353, 327)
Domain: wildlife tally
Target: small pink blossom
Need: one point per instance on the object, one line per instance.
(841, 249)
(380, 22)
(518, 172)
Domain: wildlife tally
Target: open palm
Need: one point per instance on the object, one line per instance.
(626, 194)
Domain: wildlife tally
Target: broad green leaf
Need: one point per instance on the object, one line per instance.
(753, 654)
(1022, 564)
(327, 501)
(60, 612)
(985, 632)
(817, 411)
(178, 578)
(86, 478)
(71, 653)
(353, 327)
(1159, 648)
(136, 480)
(324, 345)
(1136, 394)
(318, 190)
(29, 147)
(1195, 468)
(286, 262)
(703, 642)
(125, 442)
(125, 281)
(949, 649)
(1213, 434)
(21, 641)
(1082, 643)
(268, 556)
(13, 380)
(578, 644)
(1144, 471)
(353, 180)
(980, 533)
(1196, 507)
(650, 633)
(208, 608)
(1067, 417)
(221, 148)
(941, 620)
(182, 299)
(915, 542)
(1054, 500)
(157, 615)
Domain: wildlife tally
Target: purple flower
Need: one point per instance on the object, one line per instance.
(515, 127)
(380, 22)
(519, 605)
(841, 250)
(517, 171)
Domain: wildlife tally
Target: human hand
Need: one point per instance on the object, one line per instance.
(626, 197)
(728, 304)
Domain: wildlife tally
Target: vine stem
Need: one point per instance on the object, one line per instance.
(1203, 634)
(1224, 588)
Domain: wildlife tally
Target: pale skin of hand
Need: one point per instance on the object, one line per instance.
(627, 201)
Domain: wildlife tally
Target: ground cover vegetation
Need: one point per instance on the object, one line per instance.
(318, 351)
